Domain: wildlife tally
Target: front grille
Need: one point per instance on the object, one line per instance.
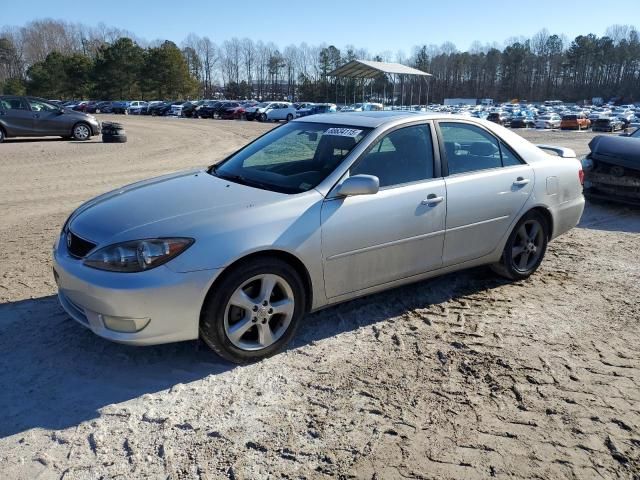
(78, 247)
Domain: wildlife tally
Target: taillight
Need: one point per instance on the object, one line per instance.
(581, 176)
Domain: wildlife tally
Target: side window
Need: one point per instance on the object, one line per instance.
(469, 148)
(508, 157)
(38, 106)
(13, 103)
(403, 156)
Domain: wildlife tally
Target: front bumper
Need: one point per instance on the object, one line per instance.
(170, 301)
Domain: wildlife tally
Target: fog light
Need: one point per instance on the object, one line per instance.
(123, 324)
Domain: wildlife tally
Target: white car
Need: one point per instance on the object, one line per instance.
(363, 107)
(136, 107)
(549, 121)
(271, 111)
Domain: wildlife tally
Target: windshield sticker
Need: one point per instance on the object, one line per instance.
(343, 132)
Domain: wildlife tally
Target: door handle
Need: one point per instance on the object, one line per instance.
(520, 181)
(432, 200)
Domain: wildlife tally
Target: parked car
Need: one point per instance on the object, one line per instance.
(184, 246)
(120, 106)
(521, 121)
(232, 111)
(607, 124)
(136, 107)
(35, 117)
(209, 108)
(271, 111)
(99, 107)
(190, 109)
(549, 121)
(316, 109)
(362, 107)
(612, 168)
(500, 118)
(575, 121)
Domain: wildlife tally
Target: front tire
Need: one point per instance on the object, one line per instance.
(81, 132)
(254, 310)
(263, 117)
(525, 248)
(289, 117)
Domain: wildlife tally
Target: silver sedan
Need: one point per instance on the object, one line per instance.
(315, 212)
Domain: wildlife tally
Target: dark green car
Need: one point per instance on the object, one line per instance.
(35, 117)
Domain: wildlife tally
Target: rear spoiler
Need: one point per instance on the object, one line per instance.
(559, 151)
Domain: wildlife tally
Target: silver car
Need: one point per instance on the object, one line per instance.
(317, 211)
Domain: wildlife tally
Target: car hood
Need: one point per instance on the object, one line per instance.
(622, 151)
(173, 205)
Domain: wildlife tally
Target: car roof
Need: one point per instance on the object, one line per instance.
(367, 119)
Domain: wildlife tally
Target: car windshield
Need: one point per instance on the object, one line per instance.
(293, 158)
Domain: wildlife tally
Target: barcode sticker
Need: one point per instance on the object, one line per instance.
(343, 132)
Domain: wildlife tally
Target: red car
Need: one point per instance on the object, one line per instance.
(232, 111)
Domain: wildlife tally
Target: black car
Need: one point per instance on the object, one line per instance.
(190, 109)
(99, 107)
(35, 117)
(523, 122)
(212, 110)
(161, 109)
(607, 124)
(500, 118)
(612, 169)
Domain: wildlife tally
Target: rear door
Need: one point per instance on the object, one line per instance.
(16, 116)
(487, 186)
(370, 240)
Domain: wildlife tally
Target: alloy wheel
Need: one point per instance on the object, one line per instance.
(527, 246)
(81, 132)
(259, 312)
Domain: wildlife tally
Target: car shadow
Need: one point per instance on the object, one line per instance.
(56, 374)
(38, 139)
(610, 216)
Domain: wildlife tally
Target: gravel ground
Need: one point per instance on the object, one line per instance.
(464, 376)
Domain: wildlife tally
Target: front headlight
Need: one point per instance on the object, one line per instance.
(587, 164)
(137, 255)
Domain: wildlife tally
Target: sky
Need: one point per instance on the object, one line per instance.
(375, 25)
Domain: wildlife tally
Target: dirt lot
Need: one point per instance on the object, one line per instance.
(465, 376)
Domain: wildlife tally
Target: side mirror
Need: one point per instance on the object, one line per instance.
(359, 185)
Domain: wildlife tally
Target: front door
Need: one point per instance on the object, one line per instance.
(487, 186)
(370, 240)
(48, 119)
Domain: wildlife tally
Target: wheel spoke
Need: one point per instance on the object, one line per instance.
(285, 306)
(524, 258)
(268, 283)
(535, 228)
(236, 331)
(516, 250)
(265, 335)
(522, 233)
(241, 299)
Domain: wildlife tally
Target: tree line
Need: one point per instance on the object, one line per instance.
(56, 59)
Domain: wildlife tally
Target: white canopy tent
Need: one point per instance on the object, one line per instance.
(369, 70)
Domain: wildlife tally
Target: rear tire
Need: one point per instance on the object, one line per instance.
(525, 248)
(289, 117)
(242, 300)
